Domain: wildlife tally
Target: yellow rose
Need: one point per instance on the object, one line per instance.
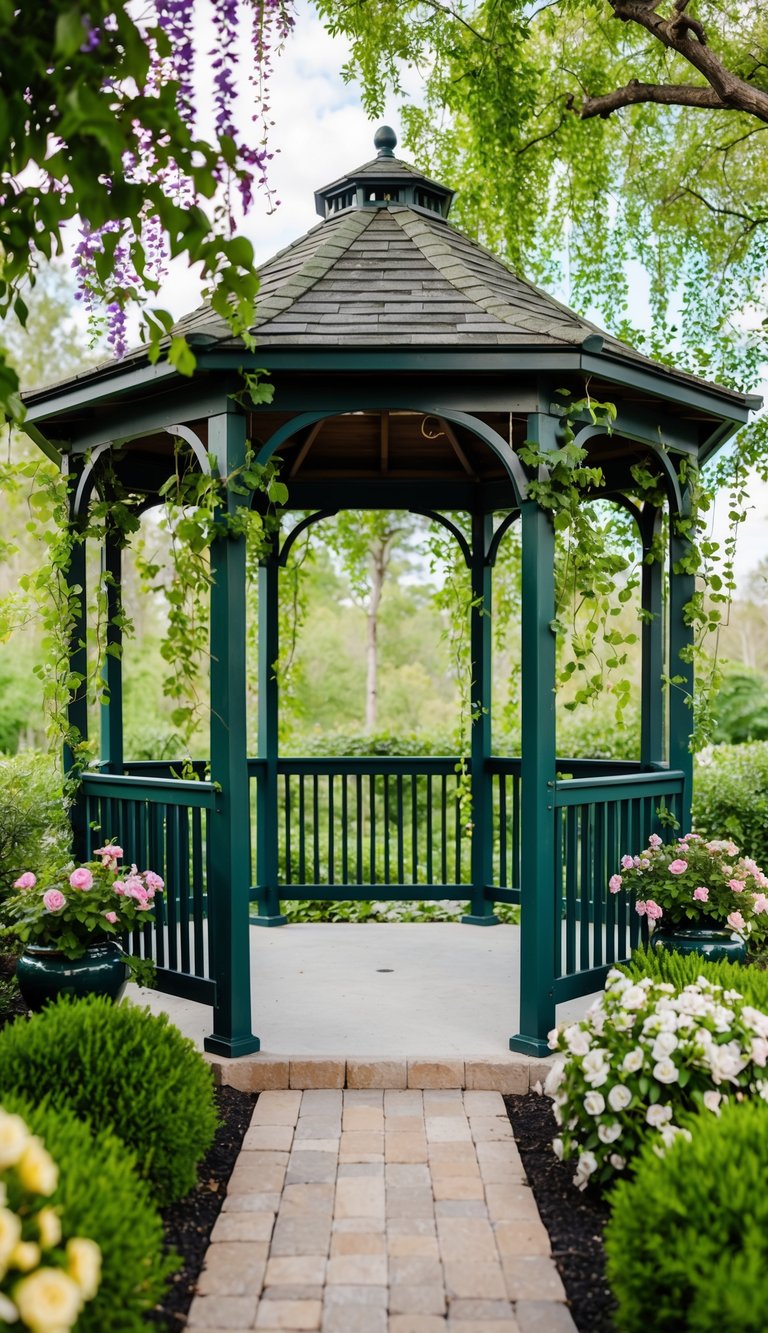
(37, 1170)
(25, 1256)
(49, 1227)
(14, 1137)
(10, 1235)
(8, 1312)
(48, 1301)
(84, 1265)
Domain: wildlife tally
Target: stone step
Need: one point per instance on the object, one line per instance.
(513, 1073)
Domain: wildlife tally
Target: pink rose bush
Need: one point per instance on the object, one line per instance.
(82, 905)
(694, 882)
(644, 1055)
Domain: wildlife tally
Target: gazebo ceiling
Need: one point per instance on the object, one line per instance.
(386, 292)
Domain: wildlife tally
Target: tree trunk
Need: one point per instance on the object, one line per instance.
(379, 562)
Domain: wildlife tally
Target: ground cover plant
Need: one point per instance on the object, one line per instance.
(646, 1055)
(122, 1069)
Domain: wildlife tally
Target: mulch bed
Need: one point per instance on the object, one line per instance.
(574, 1219)
(188, 1224)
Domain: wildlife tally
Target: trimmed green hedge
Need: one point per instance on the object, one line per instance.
(730, 797)
(687, 1243)
(122, 1069)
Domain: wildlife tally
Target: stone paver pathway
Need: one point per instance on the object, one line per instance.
(380, 1212)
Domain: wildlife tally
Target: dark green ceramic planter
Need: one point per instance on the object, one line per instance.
(44, 973)
(710, 943)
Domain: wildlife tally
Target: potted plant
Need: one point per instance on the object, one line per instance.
(697, 896)
(70, 925)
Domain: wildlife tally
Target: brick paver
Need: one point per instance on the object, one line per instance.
(369, 1211)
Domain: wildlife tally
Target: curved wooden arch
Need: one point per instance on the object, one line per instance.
(674, 490)
(300, 527)
(496, 443)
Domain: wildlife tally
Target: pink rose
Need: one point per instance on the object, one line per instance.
(735, 921)
(737, 885)
(701, 895)
(81, 878)
(654, 840)
(143, 904)
(761, 903)
(119, 886)
(153, 882)
(134, 888)
(678, 867)
(111, 917)
(653, 911)
(53, 900)
(26, 881)
(641, 908)
(110, 854)
(627, 862)
(614, 883)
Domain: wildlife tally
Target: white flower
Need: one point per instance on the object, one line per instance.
(577, 1040)
(635, 997)
(666, 1071)
(633, 1060)
(619, 1097)
(755, 1020)
(712, 1101)
(594, 1103)
(585, 1166)
(14, 1137)
(617, 1161)
(759, 1049)
(554, 1078)
(658, 1115)
(84, 1265)
(722, 1018)
(595, 1068)
(598, 1019)
(609, 1133)
(726, 1062)
(557, 1148)
(553, 1040)
(665, 1044)
(8, 1312)
(670, 1132)
(622, 1021)
(557, 1113)
(617, 981)
(48, 1299)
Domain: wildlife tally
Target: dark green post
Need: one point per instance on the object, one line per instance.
(682, 585)
(112, 711)
(77, 706)
(481, 911)
(228, 864)
(267, 858)
(538, 891)
(652, 639)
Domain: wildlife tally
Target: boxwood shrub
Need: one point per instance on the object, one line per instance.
(123, 1069)
(100, 1195)
(687, 1242)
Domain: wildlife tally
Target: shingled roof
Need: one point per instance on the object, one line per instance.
(386, 268)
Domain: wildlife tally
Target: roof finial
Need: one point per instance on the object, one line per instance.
(385, 140)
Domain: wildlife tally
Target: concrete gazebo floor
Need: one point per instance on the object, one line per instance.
(429, 1005)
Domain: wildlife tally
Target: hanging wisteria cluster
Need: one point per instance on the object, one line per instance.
(242, 164)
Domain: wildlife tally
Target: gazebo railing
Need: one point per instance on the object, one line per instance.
(596, 823)
(162, 825)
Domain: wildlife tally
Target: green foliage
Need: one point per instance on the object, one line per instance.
(682, 970)
(33, 820)
(687, 1241)
(730, 798)
(101, 1196)
(63, 121)
(359, 910)
(741, 706)
(125, 1070)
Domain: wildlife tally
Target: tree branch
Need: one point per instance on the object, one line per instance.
(687, 37)
(671, 94)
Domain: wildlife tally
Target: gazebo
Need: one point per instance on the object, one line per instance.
(409, 367)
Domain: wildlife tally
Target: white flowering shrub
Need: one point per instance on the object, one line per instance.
(44, 1283)
(644, 1055)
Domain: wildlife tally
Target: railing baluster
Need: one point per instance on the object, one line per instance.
(302, 832)
(184, 855)
(400, 830)
(457, 835)
(584, 880)
(387, 876)
(288, 869)
(372, 827)
(516, 831)
(444, 824)
(197, 892)
(360, 813)
(571, 875)
(559, 887)
(344, 829)
(503, 876)
(316, 828)
(331, 868)
(430, 832)
(599, 883)
(414, 828)
(612, 868)
(172, 885)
